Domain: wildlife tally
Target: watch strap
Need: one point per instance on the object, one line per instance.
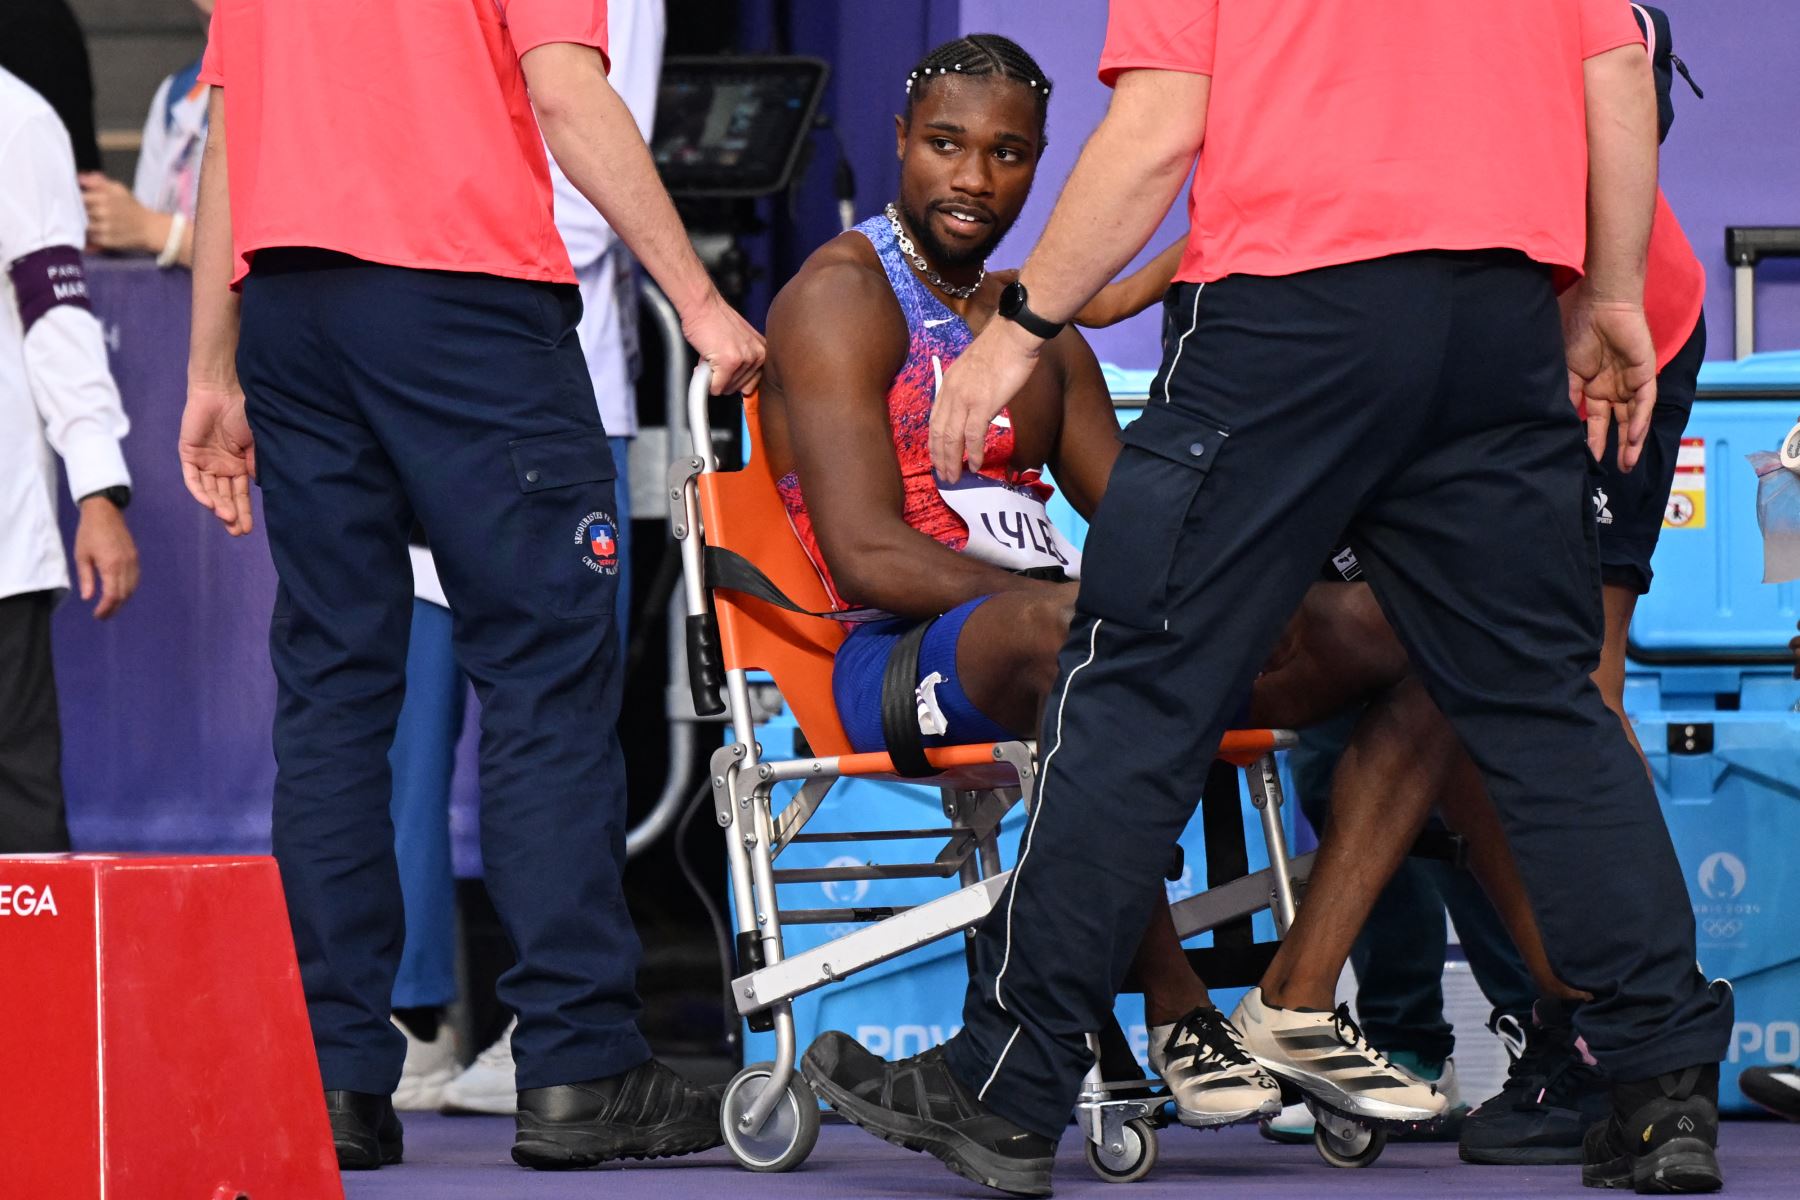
(119, 494)
(1028, 320)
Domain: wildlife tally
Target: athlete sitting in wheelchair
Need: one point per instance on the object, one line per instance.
(967, 590)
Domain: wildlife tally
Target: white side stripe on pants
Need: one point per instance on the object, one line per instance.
(1031, 828)
(1182, 344)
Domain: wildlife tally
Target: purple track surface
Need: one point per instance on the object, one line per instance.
(465, 1158)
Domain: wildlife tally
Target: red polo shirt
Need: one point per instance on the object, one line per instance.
(1674, 285)
(1339, 132)
(397, 131)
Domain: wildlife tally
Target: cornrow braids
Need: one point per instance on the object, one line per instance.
(979, 55)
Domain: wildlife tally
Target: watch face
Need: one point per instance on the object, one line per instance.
(1012, 299)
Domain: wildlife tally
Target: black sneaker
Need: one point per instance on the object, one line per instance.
(364, 1130)
(1775, 1088)
(1661, 1138)
(1552, 1095)
(647, 1112)
(917, 1103)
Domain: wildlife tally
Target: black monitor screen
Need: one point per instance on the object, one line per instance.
(733, 126)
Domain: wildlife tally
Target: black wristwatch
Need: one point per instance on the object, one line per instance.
(1013, 308)
(118, 493)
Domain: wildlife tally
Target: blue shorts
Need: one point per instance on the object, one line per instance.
(863, 658)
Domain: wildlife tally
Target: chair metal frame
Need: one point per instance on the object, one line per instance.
(978, 785)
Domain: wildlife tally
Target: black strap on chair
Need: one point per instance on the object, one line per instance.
(1117, 1059)
(731, 571)
(1227, 854)
(900, 705)
(1236, 958)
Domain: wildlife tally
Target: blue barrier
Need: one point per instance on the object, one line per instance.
(166, 708)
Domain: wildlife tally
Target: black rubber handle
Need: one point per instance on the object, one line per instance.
(1442, 845)
(706, 669)
(1747, 245)
(1738, 657)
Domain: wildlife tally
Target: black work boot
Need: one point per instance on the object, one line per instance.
(917, 1103)
(1662, 1136)
(364, 1130)
(646, 1112)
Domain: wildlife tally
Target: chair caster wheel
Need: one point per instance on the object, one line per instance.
(1344, 1142)
(1129, 1159)
(789, 1133)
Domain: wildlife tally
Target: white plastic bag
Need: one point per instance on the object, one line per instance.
(1778, 513)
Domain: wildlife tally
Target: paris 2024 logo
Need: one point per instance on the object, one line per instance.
(1723, 915)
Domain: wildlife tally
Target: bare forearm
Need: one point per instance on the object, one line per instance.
(596, 142)
(212, 350)
(1120, 189)
(1622, 154)
(912, 575)
(1126, 298)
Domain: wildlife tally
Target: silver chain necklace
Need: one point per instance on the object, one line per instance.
(924, 268)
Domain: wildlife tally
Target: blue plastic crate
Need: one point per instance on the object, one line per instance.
(1709, 688)
(1734, 813)
(1710, 599)
(1773, 375)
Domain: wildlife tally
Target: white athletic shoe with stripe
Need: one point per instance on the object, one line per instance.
(1211, 1077)
(1326, 1056)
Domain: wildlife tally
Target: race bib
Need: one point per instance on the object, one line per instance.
(1009, 527)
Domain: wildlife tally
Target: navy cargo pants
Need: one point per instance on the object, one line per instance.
(377, 393)
(1419, 401)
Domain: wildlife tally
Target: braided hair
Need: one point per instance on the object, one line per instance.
(980, 55)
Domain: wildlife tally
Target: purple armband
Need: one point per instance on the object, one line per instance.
(46, 278)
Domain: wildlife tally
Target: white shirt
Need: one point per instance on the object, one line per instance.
(634, 34)
(56, 391)
(168, 166)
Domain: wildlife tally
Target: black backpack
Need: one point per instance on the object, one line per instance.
(1665, 62)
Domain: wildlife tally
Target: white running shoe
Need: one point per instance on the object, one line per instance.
(487, 1086)
(1325, 1055)
(1211, 1078)
(429, 1067)
(1295, 1122)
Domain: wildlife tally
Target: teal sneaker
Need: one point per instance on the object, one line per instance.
(1292, 1126)
(1443, 1074)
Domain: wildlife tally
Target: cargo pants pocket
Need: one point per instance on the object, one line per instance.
(1130, 552)
(566, 485)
